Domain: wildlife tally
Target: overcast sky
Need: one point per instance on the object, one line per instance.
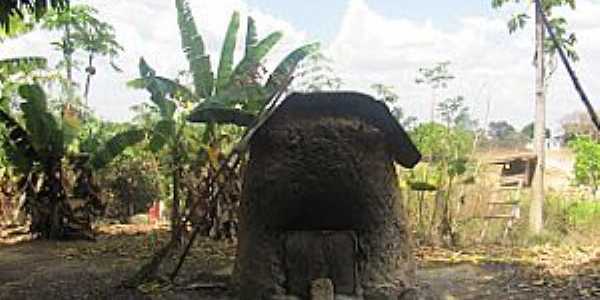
(371, 41)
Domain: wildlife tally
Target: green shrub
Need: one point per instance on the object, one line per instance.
(582, 214)
(587, 162)
(131, 187)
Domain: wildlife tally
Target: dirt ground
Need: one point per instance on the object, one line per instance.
(94, 270)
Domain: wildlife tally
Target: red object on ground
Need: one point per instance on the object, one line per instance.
(154, 213)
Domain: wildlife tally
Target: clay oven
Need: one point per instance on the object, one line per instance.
(321, 201)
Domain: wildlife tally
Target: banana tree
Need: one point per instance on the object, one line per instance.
(93, 156)
(235, 94)
(168, 129)
(37, 148)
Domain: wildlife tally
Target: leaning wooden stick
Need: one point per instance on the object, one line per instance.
(563, 57)
(235, 156)
(240, 148)
(231, 161)
(196, 229)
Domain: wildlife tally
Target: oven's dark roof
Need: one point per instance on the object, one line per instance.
(351, 105)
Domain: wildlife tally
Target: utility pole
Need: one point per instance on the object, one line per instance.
(537, 201)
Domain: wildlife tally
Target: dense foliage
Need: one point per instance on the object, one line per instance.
(12, 11)
(587, 162)
(43, 142)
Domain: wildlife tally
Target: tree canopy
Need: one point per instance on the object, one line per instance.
(11, 9)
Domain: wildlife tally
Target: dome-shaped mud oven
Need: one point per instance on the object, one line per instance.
(321, 201)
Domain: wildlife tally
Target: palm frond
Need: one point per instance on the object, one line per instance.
(115, 146)
(288, 65)
(193, 46)
(219, 114)
(227, 52)
(265, 45)
(157, 89)
(251, 39)
(170, 87)
(17, 144)
(163, 131)
(247, 69)
(11, 66)
(45, 134)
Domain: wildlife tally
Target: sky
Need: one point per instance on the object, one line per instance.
(369, 41)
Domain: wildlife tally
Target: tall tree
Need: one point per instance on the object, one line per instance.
(436, 77)
(536, 222)
(544, 52)
(447, 148)
(83, 31)
(167, 128)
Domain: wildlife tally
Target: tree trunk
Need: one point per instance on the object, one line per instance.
(68, 51)
(537, 202)
(130, 208)
(57, 197)
(175, 207)
(90, 72)
(434, 233)
(175, 232)
(47, 207)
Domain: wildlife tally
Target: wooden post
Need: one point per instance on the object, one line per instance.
(537, 201)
